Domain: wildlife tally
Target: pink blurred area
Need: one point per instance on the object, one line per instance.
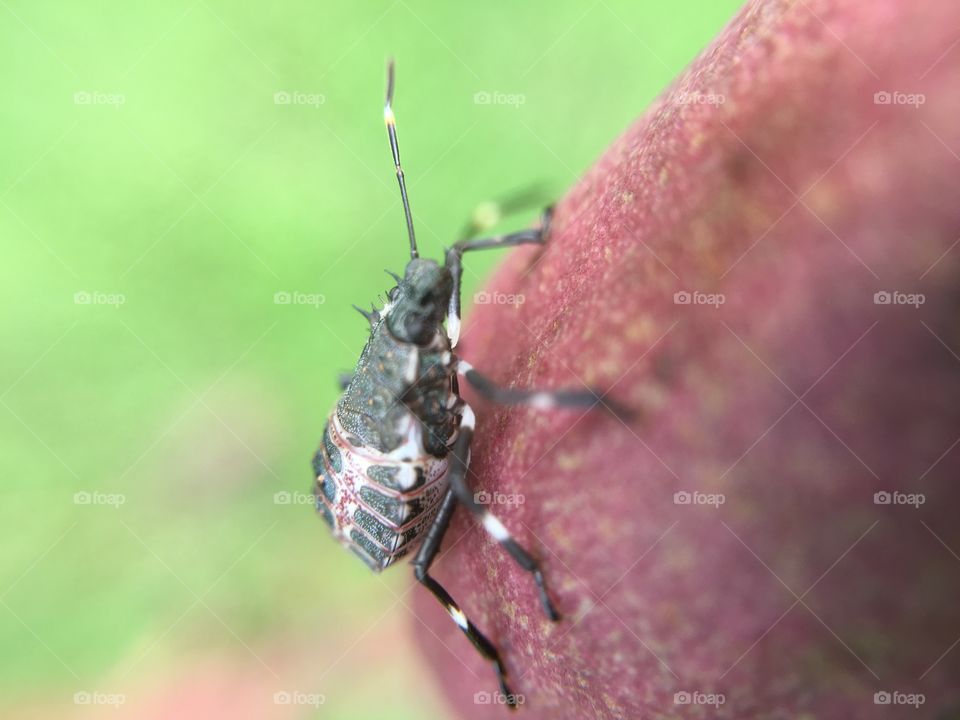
(350, 671)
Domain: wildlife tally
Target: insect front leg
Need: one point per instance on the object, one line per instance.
(421, 570)
(457, 475)
(455, 254)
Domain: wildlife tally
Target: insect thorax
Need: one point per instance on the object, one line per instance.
(399, 389)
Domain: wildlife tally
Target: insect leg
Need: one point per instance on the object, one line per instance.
(540, 399)
(487, 214)
(421, 566)
(459, 461)
(455, 254)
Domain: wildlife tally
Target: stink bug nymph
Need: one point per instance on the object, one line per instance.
(392, 463)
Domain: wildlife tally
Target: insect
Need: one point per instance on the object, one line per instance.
(393, 460)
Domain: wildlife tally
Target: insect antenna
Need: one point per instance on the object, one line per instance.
(391, 124)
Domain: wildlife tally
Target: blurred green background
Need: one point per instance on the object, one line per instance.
(168, 169)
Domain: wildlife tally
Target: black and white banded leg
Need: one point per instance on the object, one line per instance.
(457, 475)
(539, 399)
(454, 255)
(421, 569)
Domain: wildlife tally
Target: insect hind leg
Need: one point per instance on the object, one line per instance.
(457, 475)
(421, 570)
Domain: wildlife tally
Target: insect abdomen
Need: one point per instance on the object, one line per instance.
(376, 506)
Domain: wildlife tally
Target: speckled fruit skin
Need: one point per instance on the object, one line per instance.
(797, 198)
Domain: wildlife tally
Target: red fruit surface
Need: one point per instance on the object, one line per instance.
(796, 198)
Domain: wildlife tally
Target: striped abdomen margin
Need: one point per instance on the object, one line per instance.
(377, 506)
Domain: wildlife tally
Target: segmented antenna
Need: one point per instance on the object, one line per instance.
(391, 123)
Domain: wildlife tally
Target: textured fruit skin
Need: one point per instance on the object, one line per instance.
(662, 597)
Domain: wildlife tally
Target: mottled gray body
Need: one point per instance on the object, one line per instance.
(381, 468)
(395, 380)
